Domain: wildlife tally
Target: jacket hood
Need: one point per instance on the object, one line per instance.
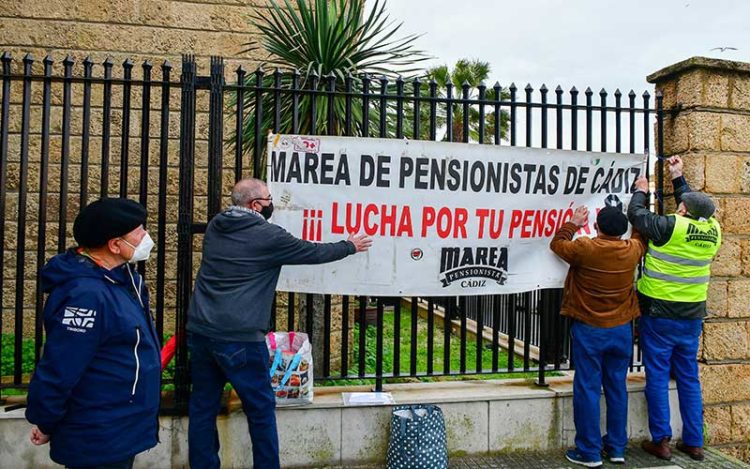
(63, 267)
(236, 219)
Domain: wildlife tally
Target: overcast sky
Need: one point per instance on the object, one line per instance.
(597, 43)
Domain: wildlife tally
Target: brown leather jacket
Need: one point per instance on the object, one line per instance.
(599, 287)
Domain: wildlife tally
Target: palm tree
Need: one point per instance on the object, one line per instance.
(472, 73)
(325, 43)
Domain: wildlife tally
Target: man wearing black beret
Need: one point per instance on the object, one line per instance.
(600, 298)
(94, 395)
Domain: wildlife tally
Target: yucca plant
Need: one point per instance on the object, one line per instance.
(326, 43)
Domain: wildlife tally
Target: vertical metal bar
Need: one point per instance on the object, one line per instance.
(573, 118)
(559, 117)
(449, 309)
(498, 114)
(646, 136)
(496, 305)
(366, 106)
(529, 116)
(276, 99)
(41, 240)
(326, 335)
(273, 311)
(383, 125)
(290, 312)
(106, 125)
(161, 259)
(216, 136)
(314, 103)
(239, 130)
(603, 120)
(589, 123)
(85, 131)
(465, 129)
(258, 129)
(660, 150)
(482, 89)
(145, 135)
(345, 335)
(23, 176)
(379, 348)
(413, 338)
(295, 101)
(618, 120)
(526, 331)
(449, 111)
(348, 87)
(480, 338)
(631, 117)
(417, 129)
(433, 109)
(543, 90)
(430, 335)
(513, 301)
(184, 227)
(543, 312)
(309, 315)
(65, 154)
(462, 317)
(399, 107)
(331, 103)
(127, 70)
(6, 60)
(396, 337)
(513, 106)
(362, 336)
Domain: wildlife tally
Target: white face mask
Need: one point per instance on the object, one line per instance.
(142, 251)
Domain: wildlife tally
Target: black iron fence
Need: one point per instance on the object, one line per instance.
(178, 146)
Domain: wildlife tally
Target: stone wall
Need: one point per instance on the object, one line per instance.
(707, 122)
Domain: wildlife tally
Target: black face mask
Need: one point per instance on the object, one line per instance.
(267, 211)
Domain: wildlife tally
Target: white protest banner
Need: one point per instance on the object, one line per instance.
(446, 218)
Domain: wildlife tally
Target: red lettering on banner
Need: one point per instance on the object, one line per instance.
(370, 229)
(374, 219)
(428, 219)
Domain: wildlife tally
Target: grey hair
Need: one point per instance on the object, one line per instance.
(246, 190)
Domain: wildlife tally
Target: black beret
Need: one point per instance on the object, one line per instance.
(105, 219)
(611, 221)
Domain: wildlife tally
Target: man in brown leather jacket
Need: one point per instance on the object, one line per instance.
(600, 298)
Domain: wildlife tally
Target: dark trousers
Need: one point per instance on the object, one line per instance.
(671, 345)
(245, 366)
(126, 464)
(601, 357)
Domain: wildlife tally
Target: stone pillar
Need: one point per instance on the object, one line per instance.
(707, 123)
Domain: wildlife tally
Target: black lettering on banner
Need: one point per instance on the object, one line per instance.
(438, 174)
(406, 169)
(457, 263)
(311, 165)
(366, 170)
(455, 176)
(421, 173)
(278, 166)
(383, 171)
(326, 168)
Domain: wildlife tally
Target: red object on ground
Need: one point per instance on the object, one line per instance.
(168, 351)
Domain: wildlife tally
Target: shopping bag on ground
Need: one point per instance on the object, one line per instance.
(291, 367)
(417, 439)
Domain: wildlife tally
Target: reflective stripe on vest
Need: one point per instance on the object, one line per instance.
(681, 269)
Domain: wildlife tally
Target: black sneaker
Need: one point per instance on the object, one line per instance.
(575, 457)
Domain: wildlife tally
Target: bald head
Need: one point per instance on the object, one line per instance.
(248, 189)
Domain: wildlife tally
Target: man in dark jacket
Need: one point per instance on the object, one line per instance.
(230, 313)
(673, 292)
(600, 297)
(94, 395)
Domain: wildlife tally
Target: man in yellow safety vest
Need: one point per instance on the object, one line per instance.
(672, 294)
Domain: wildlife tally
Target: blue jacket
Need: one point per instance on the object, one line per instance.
(96, 389)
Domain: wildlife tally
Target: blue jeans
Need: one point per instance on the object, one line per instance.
(601, 357)
(672, 345)
(245, 366)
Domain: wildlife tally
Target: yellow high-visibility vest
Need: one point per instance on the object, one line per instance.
(680, 269)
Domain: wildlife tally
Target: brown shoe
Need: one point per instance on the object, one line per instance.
(695, 452)
(661, 449)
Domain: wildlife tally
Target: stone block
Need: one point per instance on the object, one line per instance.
(735, 132)
(317, 436)
(726, 341)
(523, 424)
(466, 426)
(714, 379)
(718, 424)
(737, 294)
(689, 88)
(726, 173)
(715, 88)
(717, 302)
(736, 218)
(704, 131)
(728, 261)
(741, 422)
(365, 433)
(739, 92)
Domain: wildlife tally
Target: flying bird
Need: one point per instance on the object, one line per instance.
(723, 49)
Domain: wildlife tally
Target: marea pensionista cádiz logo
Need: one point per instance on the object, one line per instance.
(472, 266)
